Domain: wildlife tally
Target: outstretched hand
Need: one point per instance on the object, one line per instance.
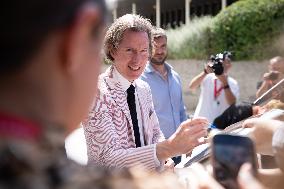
(262, 133)
(189, 135)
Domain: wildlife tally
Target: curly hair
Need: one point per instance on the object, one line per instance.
(114, 34)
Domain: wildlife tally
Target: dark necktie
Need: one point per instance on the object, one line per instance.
(133, 113)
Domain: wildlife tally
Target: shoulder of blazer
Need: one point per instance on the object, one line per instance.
(102, 84)
(143, 84)
(144, 90)
(104, 91)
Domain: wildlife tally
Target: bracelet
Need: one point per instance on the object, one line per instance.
(226, 87)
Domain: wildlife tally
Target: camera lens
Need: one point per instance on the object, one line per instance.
(218, 69)
(216, 64)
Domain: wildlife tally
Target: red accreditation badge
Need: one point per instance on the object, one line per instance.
(217, 91)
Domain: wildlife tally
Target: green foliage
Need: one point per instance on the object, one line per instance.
(248, 28)
(190, 41)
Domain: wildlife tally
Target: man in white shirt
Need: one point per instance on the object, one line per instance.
(218, 91)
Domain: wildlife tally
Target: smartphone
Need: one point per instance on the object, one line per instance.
(229, 152)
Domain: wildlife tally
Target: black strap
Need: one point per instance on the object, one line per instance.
(133, 113)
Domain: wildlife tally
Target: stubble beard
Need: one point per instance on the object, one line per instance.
(159, 62)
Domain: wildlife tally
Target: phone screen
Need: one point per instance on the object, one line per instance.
(229, 153)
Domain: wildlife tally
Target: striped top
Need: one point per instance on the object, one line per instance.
(108, 129)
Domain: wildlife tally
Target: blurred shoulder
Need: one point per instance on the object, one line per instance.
(142, 84)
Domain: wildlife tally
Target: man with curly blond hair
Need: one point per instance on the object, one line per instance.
(122, 129)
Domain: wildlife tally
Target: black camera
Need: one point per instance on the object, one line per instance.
(216, 62)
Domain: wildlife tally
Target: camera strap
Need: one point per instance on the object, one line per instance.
(217, 92)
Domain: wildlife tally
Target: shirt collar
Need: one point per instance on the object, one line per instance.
(149, 68)
(122, 80)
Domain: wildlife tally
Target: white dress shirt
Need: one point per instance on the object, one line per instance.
(125, 84)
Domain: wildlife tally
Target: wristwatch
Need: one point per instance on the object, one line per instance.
(226, 87)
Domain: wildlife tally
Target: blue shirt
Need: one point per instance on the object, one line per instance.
(167, 98)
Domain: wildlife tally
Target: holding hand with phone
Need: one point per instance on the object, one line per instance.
(234, 165)
(233, 158)
(229, 153)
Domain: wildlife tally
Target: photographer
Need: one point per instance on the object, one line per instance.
(218, 90)
(274, 75)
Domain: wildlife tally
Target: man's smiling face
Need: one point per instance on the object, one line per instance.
(132, 54)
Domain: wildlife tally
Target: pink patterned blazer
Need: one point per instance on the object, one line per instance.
(108, 129)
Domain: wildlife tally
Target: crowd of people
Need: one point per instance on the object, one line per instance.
(133, 114)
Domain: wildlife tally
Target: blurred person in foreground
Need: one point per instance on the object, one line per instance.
(268, 136)
(274, 75)
(122, 129)
(50, 56)
(165, 87)
(218, 90)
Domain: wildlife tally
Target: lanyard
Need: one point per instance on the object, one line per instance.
(217, 92)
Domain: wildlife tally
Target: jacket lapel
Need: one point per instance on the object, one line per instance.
(117, 94)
